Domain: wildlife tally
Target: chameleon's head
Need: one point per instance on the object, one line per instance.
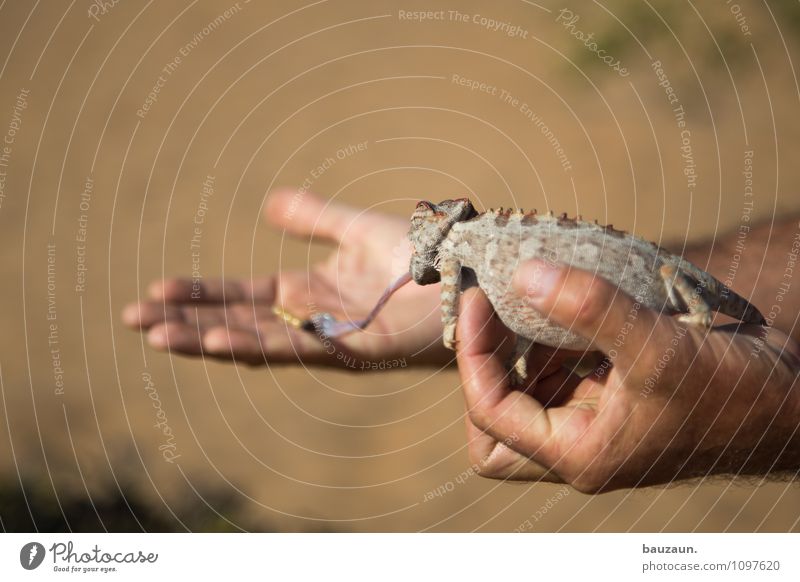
(430, 224)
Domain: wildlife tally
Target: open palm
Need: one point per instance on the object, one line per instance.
(234, 319)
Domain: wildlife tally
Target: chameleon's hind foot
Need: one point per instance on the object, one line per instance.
(699, 319)
(687, 293)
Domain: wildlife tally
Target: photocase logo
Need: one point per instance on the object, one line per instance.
(31, 555)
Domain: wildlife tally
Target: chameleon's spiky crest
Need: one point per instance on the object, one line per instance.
(563, 219)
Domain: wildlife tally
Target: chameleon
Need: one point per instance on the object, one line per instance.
(458, 247)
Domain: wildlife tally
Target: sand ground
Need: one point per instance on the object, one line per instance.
(260, 95)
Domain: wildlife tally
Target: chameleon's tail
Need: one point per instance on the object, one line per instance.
(753, 315)
(723, 298)
(740, 308)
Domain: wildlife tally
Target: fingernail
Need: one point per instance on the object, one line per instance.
(536, 279)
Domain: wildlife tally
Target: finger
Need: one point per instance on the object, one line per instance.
(307, 215)
(494, 460)
(544, 360)
(556, 388)
(273, 343)
(177, 337)
(147, 314)
(144, 315)
(543, 363)
(492, 406)
(590, 306)
(185, 290)
(227, 344)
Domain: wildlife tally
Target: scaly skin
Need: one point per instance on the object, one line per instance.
(450, 238)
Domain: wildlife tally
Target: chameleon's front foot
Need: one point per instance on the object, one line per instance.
(449, 336)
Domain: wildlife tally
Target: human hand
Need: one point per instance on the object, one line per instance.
(669, 402)
(233, 319)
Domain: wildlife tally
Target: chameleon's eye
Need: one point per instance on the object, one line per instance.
(425, 204)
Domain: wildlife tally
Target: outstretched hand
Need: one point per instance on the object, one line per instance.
(234, 319)
(669, 402)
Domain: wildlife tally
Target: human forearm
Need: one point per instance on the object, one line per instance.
(749, 407)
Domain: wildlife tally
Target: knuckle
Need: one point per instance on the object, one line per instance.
(594, 476)
(587, 486)
(480, 417)
(476, 459)
(484, 466)
(591, 481)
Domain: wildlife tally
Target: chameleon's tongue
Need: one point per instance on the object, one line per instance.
(327, 324)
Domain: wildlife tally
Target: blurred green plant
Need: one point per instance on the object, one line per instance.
(787, 14)
(644, 24)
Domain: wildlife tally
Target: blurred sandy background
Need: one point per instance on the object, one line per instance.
(262, 95)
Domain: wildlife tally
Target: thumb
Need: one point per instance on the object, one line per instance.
(588, 305)
(308, 215)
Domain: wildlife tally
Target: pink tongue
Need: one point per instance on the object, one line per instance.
(332, 328)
